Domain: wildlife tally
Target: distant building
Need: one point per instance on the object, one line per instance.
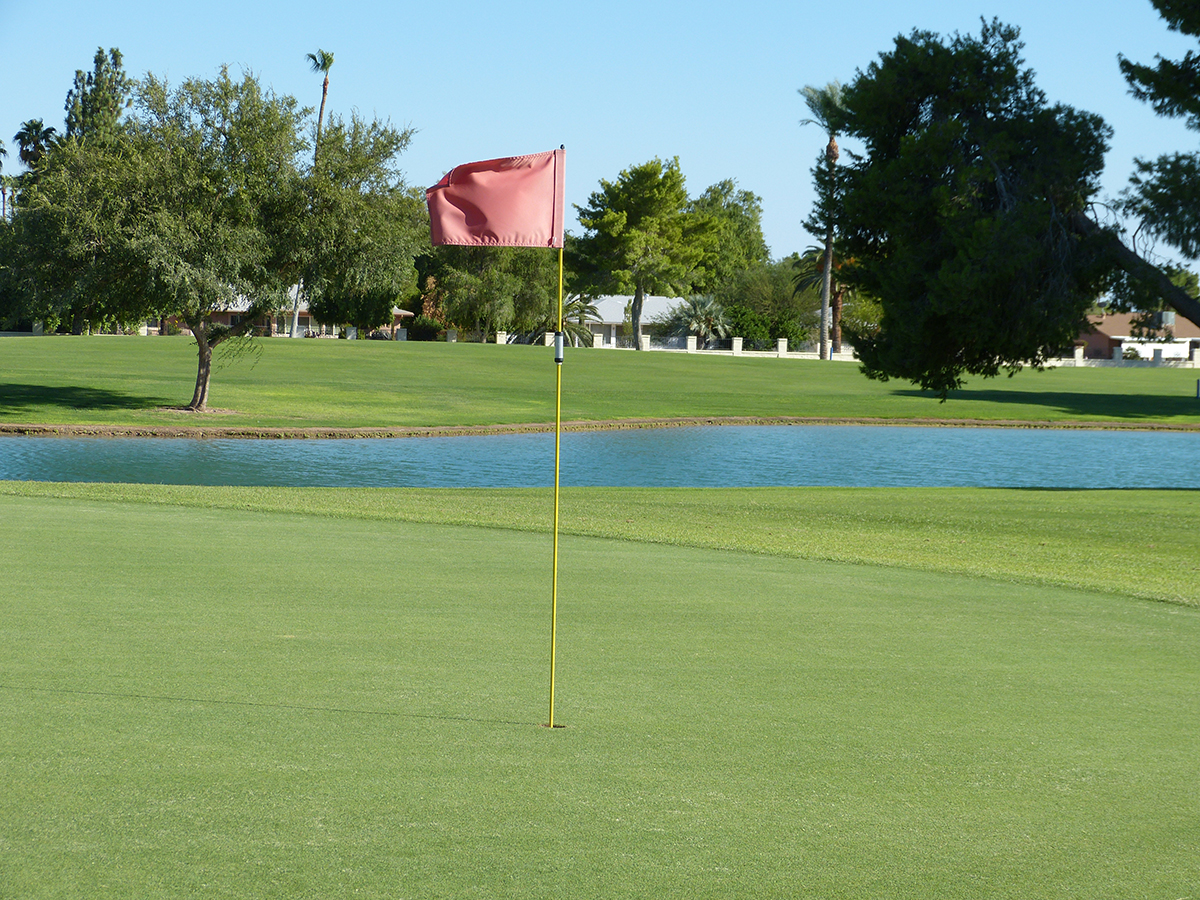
(1111, 332)
(610, 330)
(280, 324)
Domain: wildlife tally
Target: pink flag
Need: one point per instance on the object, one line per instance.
(511, 202)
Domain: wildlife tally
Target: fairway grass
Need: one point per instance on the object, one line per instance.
(288, 693)
(138, 382)
(1135, 543)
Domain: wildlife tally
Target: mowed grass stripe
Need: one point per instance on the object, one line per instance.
(247, 703)
(1136, 543)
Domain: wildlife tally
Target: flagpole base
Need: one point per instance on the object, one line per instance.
(555, 725)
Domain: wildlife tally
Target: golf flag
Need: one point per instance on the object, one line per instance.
(512, 202)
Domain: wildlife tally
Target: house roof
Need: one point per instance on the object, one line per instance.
(612, 307)
(1119, 325)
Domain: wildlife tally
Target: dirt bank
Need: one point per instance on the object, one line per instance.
(241, 431)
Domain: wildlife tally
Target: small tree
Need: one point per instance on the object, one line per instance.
(701, 315)
(225, 156)
(640, 238)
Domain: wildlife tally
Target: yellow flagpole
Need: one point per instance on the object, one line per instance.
(558, 359)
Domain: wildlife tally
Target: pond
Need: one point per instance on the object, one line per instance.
(726, 456)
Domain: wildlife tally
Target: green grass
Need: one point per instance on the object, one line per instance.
(295, 693)
(344, 384)
(1137, 543)
(276, 692)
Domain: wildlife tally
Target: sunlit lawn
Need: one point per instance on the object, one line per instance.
(343, 384)
(281, 696)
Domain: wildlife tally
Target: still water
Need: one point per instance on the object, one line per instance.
(727, 456)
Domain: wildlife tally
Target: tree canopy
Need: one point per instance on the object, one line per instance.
(737, 241)
(197, 204)
(958, 218)
(362, 227)
(98, 98)
(490, 289)
(1164, 193)
(640, 237)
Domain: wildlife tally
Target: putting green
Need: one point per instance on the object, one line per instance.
(240, 703)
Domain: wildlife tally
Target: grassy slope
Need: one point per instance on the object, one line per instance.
(311, 708)
(1137, 543)
(128, 381)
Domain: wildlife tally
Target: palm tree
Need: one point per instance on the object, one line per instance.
(702, 314)
(827, 109)
(321, 61)
(33, 139)
(3, 183)
(809, 272)
(578, 310)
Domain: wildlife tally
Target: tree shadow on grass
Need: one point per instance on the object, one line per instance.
(17, 398)
(1073, 403)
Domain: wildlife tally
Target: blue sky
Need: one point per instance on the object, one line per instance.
(617, 82)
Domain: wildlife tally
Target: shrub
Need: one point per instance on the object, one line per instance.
(423, 328)
(753, 328)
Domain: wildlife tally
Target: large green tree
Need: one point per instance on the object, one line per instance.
(226, 151)
(197, 205)
(84, 192)
(736, 242)
(73, 254)
(967, 217)
(640, 237)
(960, 217)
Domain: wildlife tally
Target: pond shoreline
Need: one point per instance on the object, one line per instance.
(276, 433)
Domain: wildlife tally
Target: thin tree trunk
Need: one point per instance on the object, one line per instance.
(635, 314)
(826, 282)
(320, 119)
(836, 331)
(203, 368)
(296, 310)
